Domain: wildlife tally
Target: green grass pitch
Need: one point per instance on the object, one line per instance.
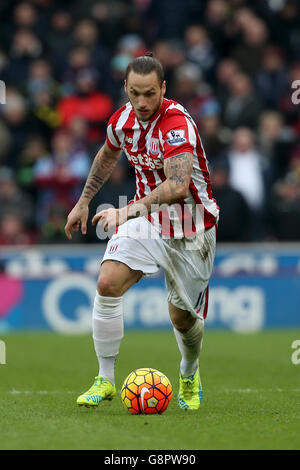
(251, 394)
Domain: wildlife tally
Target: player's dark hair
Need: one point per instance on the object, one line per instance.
(146, 64)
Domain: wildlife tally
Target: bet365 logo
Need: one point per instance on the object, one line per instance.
(295, 358)
(2, 352)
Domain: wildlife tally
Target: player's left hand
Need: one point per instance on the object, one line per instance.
(110, 218)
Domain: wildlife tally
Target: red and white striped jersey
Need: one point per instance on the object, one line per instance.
(170, 132)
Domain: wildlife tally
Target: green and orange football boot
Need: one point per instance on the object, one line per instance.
(190, 392)
(102, 389)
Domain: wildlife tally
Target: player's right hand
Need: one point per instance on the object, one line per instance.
(77, 217)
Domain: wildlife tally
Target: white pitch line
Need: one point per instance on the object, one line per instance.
(38, 392)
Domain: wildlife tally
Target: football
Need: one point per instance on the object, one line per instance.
(146, 391)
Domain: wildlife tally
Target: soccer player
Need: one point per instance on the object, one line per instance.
(171, 223)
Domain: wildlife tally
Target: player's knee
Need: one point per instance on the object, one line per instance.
(108, 287)
(183, 323)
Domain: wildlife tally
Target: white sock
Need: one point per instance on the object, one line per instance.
(108, 331)
(189, 344)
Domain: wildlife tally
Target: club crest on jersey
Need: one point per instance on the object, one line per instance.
(113, 248)
(176, 137)
(154, 146)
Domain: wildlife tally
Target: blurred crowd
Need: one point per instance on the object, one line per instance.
(232, 63)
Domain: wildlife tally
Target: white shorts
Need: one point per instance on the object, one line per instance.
(187, 263)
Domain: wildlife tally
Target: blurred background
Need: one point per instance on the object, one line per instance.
(231, 63)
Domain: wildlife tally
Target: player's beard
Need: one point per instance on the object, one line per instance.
(154, 112)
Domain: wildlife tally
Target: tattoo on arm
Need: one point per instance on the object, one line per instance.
(100, 171)
(178, 171)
